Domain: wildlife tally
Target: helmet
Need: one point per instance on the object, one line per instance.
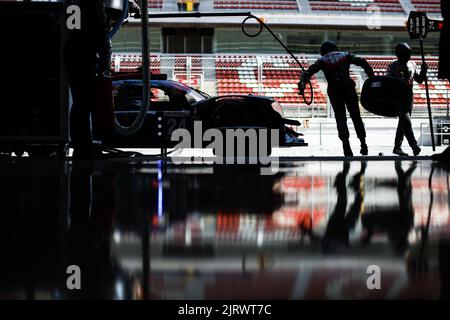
(327, 47)
(403, 51)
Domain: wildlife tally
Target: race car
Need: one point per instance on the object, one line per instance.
(175, 105)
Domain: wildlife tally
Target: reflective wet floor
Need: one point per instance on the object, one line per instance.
(147, 229)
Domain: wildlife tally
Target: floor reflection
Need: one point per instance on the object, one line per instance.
(152, 230)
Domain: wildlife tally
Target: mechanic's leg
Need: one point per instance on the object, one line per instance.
(353, 214)
(399, 134)
(80, 68)
(341, 121)
(80, 114)
(337, 232)
(353, 108)
(409, 133)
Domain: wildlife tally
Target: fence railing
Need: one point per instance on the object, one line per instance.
(275, 76)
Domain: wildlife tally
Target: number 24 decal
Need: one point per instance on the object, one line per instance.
(173, 124)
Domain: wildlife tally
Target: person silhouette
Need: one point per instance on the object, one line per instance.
(85, 55)
(395, 222)
(341, 90)
(406, 70)
(341, 220)
(88, 238)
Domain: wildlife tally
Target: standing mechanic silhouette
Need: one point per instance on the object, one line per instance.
(405, 69)
(341, 90)
(85, 56)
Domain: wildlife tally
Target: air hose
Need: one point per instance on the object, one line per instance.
(119, 23)
(139, 120)
(145, 103)
(252, 35)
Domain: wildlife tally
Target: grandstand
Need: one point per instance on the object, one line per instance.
(274, 76)
(273, 5)
(293, 6)
(385, 6)
(430, 6)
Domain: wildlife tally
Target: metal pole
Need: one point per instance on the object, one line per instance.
(145, 103)
(145, 241)
(421, 133)
(145, 47)
(428, 99)
(320, 134)
(145, 247)
(188, 70)
(260, 74)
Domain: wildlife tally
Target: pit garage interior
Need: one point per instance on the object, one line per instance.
(150, 220)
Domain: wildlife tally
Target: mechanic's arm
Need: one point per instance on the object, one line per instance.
(307, 75)
(420, 77)
(361, 62)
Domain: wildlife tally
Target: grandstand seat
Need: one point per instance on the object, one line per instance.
(385, 6)
(279, 81)
(155, 4)
(131, 62)
(429, 6)
(273, 5)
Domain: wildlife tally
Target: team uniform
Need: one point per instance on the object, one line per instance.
(407, 72)
(341, 91)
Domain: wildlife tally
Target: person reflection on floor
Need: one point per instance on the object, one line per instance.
(89, 231)
(342, 221)
(396, 223)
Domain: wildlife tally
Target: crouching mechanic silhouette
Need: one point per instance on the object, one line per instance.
(406, 70)
(341, 90)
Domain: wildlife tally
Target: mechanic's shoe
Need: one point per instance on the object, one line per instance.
(364, 150)
(416, 150)
(399, 152)
(347, 149)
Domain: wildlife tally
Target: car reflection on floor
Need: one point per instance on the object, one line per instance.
(153, 230)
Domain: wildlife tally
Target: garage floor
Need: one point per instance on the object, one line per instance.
(147, 229)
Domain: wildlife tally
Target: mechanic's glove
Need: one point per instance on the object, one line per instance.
(134, 9)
